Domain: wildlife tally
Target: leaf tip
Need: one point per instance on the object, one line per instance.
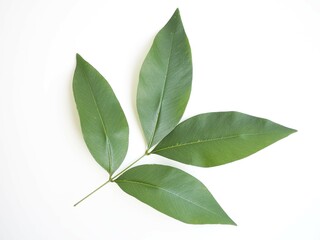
(294, 130)
(291, 131)
(176, 14)
(78, 57)
(232, 223)
(228, 221)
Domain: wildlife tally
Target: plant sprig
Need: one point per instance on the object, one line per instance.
(205, 140)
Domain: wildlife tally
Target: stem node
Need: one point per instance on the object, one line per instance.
(111, 179)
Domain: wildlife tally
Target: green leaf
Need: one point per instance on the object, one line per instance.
(103, 123)
(165, 81)
(173, 192)
(213, 139)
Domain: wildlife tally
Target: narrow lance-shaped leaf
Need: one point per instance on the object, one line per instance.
(213, 139)
(174, 193)
(165, 81)
(103, 123)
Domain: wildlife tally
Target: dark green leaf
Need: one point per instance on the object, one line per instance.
(214, 139)
(165, 81)
(173, 192)
(104, 125)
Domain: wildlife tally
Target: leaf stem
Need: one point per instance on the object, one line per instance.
(111, 179)
(116, 176)
(92, 192)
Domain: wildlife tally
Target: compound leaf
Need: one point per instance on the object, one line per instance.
(165, 81)
(213, 139)
(174, 193)
(103, 123)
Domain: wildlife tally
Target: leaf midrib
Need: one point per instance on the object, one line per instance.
(163, 189)
(162, 93)
(206, 140)
(102, 122)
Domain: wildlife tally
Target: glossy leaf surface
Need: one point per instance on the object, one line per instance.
(174, 193)
(103, 123)
(213, 139)
(165, 81)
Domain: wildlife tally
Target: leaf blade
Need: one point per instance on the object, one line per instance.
(165, 81)
(103, 123)
(213, 139)
(174, 193)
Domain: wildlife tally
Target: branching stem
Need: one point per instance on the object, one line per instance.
(111, 179)
(129, 166)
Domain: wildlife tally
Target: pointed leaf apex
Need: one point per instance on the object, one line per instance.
(289, 131)
(79, 58)
(176, 15)
(231, 222)
(293, 130)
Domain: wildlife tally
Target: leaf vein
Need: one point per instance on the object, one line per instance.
(162, 92)
(101, 119)
(163, 189)
(205, 140)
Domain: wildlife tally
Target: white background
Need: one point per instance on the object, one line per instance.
(257, 57)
